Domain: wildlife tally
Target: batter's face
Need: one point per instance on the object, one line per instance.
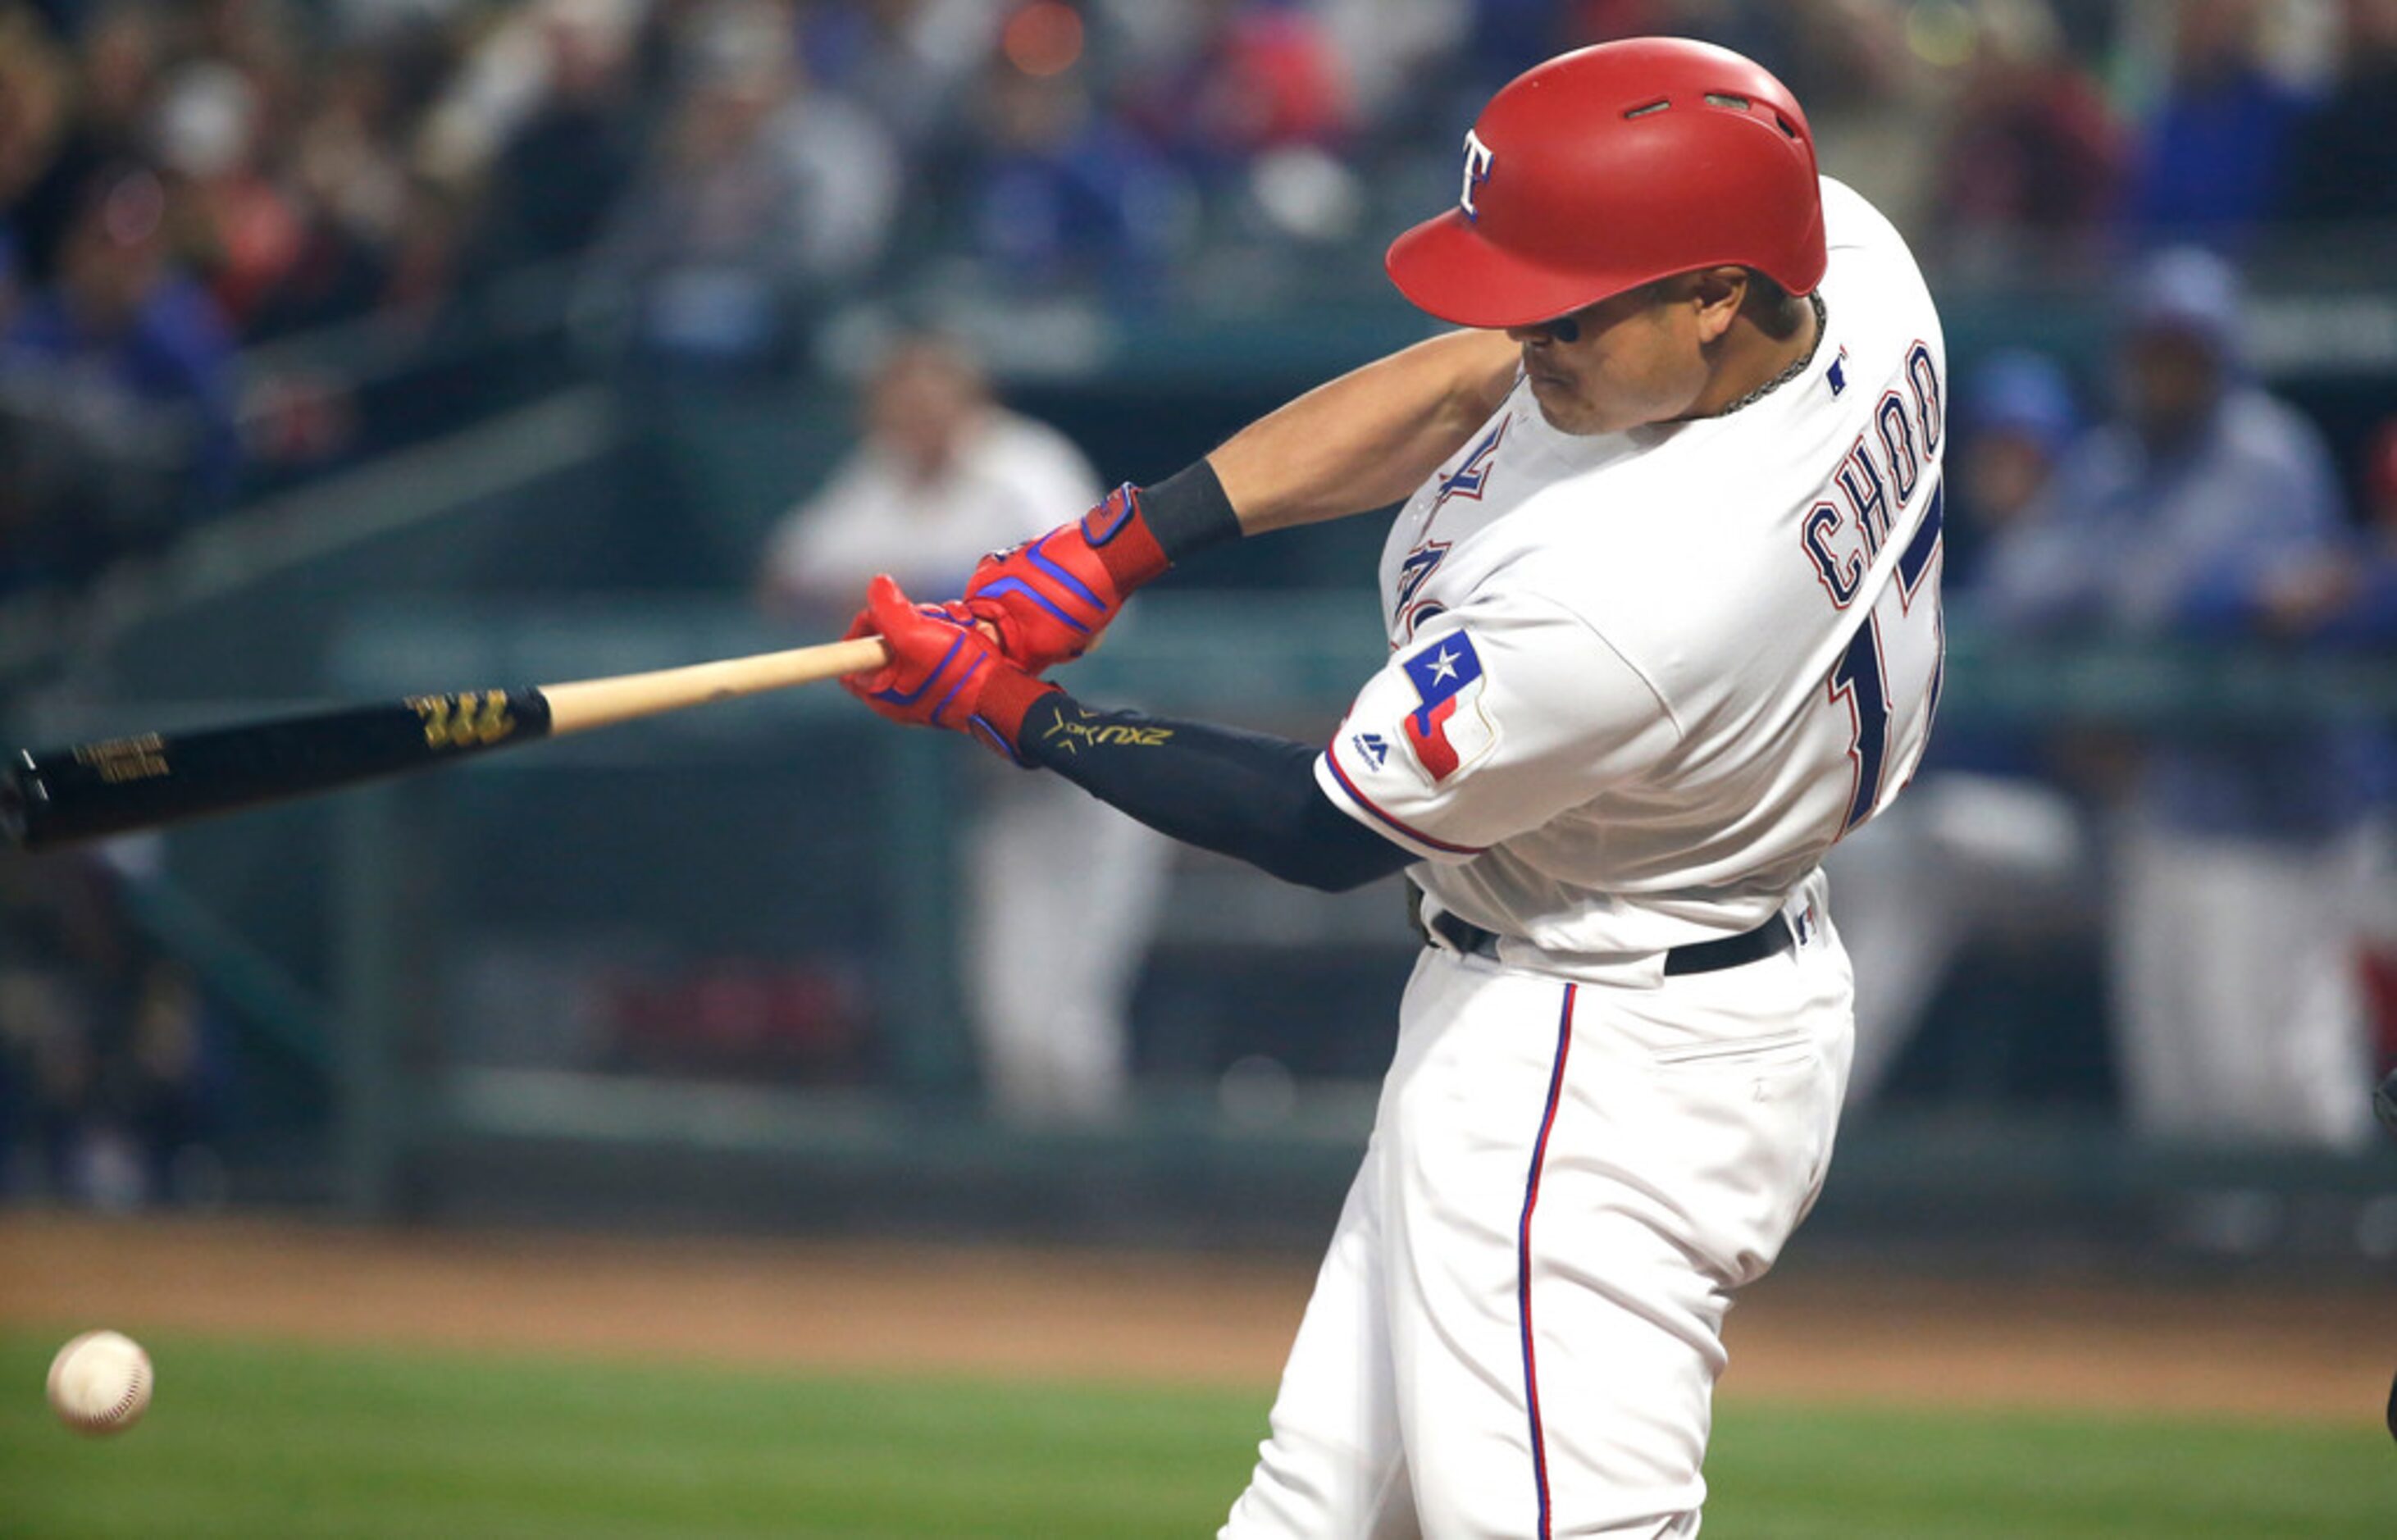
(1630, 361)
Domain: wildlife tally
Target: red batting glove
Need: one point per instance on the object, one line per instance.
(943, 671)
(1050, 598)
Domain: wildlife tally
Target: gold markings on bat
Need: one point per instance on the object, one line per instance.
(476, 719)
(122, 759)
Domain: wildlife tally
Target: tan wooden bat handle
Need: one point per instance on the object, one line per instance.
(585, 703)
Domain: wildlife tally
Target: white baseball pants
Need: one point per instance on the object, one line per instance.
(1517, 1329)
(2239, 1009)
(1053, 947)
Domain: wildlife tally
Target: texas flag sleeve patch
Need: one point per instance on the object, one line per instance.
(1404, 763)
(1513, 711)
(1446, 729)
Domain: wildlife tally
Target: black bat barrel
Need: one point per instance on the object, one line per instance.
(56, 797)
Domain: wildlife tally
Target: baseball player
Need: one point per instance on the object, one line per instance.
(1050, 953)
(1664, 618)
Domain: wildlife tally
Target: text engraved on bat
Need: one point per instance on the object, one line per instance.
(475, 719)
(122, 759)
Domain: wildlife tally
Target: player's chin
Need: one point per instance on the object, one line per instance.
(1562, 407)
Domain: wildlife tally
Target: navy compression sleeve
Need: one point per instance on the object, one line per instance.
(1242, 794)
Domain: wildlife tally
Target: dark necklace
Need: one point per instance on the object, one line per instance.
(1821, 325)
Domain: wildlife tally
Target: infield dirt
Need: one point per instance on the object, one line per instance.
(1816, 1335)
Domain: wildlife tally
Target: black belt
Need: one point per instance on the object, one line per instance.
(1769, 939)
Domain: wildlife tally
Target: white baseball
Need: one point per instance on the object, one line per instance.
(99, 1383)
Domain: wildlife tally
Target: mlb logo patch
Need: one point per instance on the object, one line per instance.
(1447, 730)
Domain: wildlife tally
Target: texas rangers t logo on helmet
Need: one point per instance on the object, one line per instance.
(1477, 158)
(1446, 728)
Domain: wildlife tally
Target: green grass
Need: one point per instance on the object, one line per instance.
(277, 1442)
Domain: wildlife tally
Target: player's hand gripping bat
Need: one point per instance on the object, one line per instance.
(55, 796)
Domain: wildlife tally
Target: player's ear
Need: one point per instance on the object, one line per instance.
(1718, 292)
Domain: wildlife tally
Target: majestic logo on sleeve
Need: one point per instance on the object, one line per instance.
(1478, 160)
(1447, 730)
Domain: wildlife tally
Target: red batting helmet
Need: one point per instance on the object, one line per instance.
(1614, 166)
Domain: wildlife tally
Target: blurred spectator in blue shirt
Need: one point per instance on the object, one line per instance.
(2237, 853)
(1061, 194)
(2018, 422)
(2213, 156)
(2175, 521)
(116, 393)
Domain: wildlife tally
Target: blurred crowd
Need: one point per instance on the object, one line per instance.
(181, 182)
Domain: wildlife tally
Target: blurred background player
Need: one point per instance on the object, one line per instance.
(1052, 948)
(1986, 846)
(2237, 859)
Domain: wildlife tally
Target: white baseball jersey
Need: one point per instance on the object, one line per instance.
(1642, 681)
(1006, 483)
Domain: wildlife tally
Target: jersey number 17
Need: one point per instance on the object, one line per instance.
(1889, 677)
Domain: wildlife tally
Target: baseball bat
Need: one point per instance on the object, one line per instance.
(56, 797)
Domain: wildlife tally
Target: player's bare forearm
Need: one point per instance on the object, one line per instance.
(1362, 442)
(1369, 439)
